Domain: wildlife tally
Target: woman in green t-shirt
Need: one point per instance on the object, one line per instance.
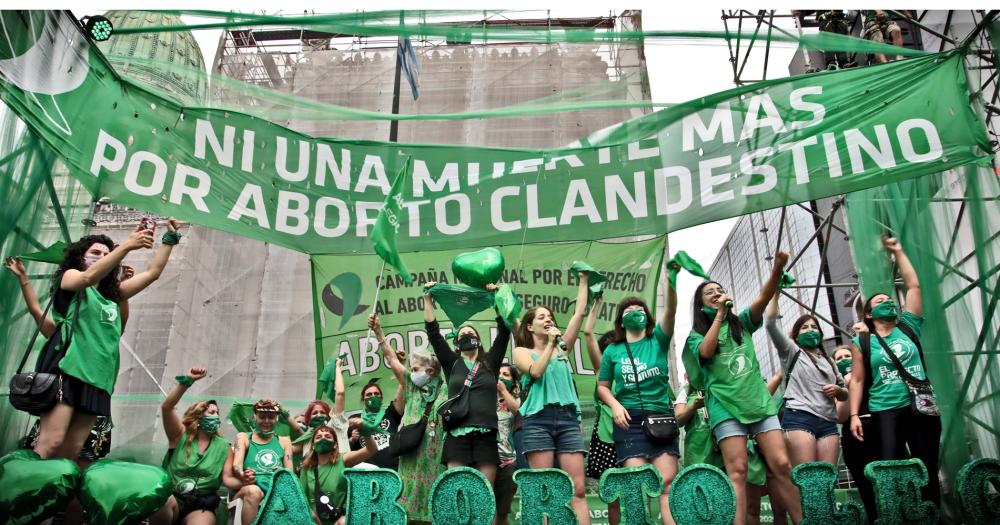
(196, 458)
(88, 277)
(636, 364)
(325, 462)
(739, 405)
(896, 427)
(551, 409)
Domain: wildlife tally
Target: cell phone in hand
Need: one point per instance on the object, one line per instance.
(148, 223)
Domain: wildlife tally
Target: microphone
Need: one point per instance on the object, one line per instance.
(729, 304)
(560, 342)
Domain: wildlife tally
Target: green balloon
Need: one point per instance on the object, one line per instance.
(119, 492)
(33, 488)
(477, 269)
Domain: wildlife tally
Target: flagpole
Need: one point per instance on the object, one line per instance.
(375, 303)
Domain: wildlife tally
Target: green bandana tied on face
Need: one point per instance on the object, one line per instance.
(317, 421)
(886, 311)
(323, 446)
(811, 339)
(508, 383)
(634, 320)
(373, 404)
(844, 365)
(261, 432)
(209, 424)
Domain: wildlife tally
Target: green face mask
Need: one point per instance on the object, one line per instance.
(373, 404)
(844, 365)
(209, 424)
(317, 421)
(709, 311)
(509, 383)
(323, 446)
(885, 311)
(810, 339)
(634, 320)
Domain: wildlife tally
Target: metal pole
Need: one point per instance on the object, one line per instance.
(394, 124)
(375, 302)
(814, 313)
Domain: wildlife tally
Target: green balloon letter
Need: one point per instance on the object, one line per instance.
(631, 486)
(702, 495)
(815, 481)
(979, 505)
(897, 492)
(462, 496)
(545, 492)
(372, 495)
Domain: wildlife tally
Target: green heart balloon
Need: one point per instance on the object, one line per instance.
(34, 488)
(119, 492)
(477, 269)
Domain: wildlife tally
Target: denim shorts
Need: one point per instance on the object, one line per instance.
(555, 428)
(733, 427)
(820, 428)
(633, 443)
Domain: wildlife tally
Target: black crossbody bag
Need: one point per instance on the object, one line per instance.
(408, 437)
(657, 427)
(323, 507)
(39, 391)
(456, 409)
(922, 400)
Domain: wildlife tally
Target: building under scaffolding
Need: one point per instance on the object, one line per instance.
(243, 308)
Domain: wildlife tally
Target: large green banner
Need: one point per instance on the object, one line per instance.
(344, 289)
(728, 154)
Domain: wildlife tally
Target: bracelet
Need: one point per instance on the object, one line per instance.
(170, 238)
(184, 380)
(855, 415)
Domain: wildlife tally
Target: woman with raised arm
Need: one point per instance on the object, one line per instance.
(322, 478)
(878, 382)
(739, 405)
(88, 295)
(473, 440)
(813, 387)
(421, 391)
(636, 364)
(318, 413)
(196, 456)
(551, 409)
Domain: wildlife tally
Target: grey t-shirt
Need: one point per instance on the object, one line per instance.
(805, 385)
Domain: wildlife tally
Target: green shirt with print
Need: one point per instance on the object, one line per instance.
(649, 370)
(888, 390)
(733, 377)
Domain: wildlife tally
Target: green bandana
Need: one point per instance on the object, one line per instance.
(261, 432)
(810, 339)
(886, 311)
(786, 280)
(323, 446)
(508, 383)
(373, 404)
(709, 311)
(634, 320)
(209, 424)
(681, 260)
(317, 421)
(844, 365)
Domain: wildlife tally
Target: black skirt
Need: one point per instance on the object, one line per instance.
(85, 397)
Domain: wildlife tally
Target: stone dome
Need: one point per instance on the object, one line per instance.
(187, 83)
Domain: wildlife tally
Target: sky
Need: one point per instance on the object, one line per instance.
(679, 70)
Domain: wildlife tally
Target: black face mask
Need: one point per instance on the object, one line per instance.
(468, 343)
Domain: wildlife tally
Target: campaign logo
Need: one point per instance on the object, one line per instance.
(267, 459)
(342, 297)
(740, 365)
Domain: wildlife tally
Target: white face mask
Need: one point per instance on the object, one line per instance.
(89, 260)
(420, 378)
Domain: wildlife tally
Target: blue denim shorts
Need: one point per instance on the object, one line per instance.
(633, 443)
(554, 428)
(820, 428)
(733, 427)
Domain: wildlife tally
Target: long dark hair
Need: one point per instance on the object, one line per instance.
(796, 326)
(622, 305)
(523, 336)
(481, 354)
(73, 260)
(700, 322)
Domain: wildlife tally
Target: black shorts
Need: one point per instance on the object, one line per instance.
(504, 489)
(474, 448)
(188, 504)
(601, 457)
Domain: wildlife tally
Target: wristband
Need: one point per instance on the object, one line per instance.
(170, 238)
(184, 380)
(855, 415)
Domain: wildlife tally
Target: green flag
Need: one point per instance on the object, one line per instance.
(387, 225)
(682, 260)
(241, 416)
(460, 302)
(508, 305)
(53, 254)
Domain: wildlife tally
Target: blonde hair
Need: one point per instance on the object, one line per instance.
(191, 420)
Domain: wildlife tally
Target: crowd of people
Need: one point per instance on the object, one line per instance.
(464, 403)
